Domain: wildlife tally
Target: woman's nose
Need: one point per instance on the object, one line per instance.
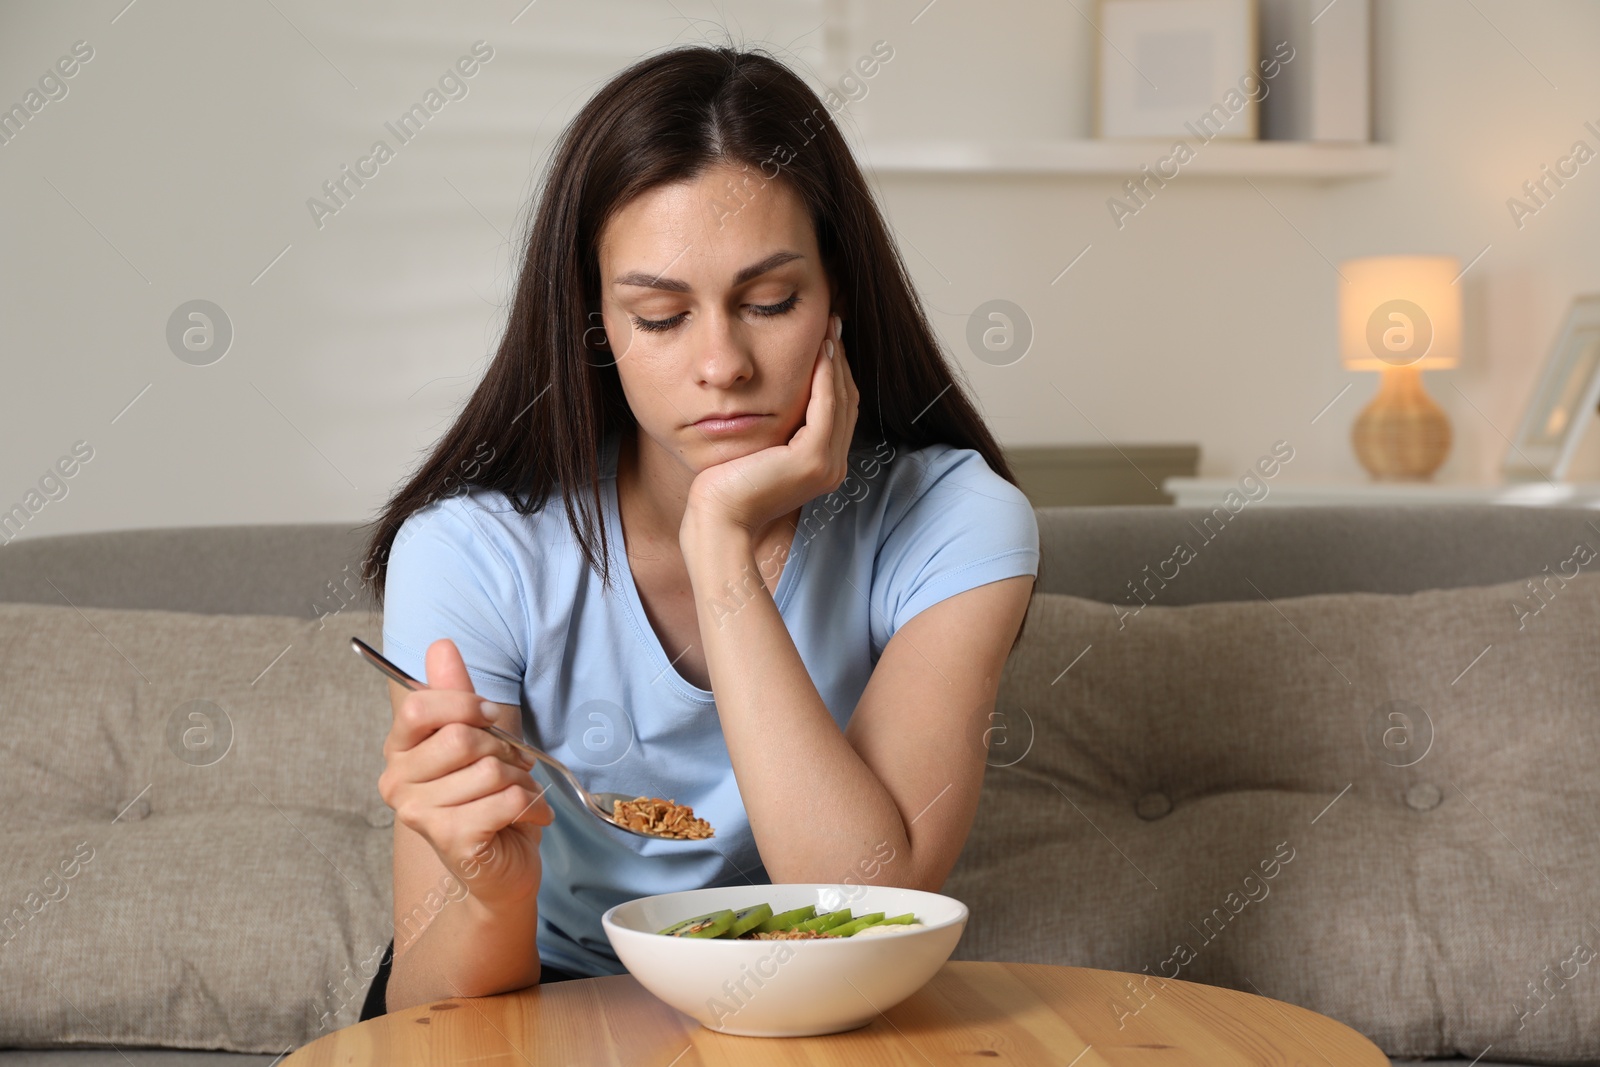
(722, 355)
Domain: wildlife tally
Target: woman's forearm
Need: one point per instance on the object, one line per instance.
(817, 811)
(468, 950)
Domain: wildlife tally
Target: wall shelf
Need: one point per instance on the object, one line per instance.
(1123, 158)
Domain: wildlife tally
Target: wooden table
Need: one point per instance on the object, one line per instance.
(970, 1013)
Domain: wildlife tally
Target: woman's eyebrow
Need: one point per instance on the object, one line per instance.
(674, 285)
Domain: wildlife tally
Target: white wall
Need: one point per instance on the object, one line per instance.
(179, 164)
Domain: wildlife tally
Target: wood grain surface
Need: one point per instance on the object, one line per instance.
(970, 1013)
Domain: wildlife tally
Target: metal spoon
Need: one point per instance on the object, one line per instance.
(597, 804)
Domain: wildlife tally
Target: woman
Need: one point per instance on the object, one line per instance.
(793, 621)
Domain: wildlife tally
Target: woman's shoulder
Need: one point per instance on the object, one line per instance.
(950, 523)
(478, 517)
(942, 474)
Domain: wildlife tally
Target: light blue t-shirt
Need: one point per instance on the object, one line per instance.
(906, 529)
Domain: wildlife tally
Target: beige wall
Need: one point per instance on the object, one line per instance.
(178, 165)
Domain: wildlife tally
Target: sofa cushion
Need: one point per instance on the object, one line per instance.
(196, 852)
(1380, 807)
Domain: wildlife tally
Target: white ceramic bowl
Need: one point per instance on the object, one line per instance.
(784, 988)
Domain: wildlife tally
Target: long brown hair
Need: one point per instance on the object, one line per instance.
(539, 418)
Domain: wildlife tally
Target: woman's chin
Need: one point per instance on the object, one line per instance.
(705, 454)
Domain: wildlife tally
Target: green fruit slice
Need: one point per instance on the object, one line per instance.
(711, 924)
(858, 923)
(825, 921)
(786, 920)
(747, 919)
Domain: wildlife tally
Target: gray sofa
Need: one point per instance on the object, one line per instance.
(1267, 750)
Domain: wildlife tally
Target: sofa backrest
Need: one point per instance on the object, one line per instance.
(1110, 554)
(1178, 754)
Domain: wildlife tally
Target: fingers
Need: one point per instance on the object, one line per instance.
(458, 832)
(824, 384)
(830, 412)
(445, 667)
(425, 711)
(488, 815)
(482, 777)
(848, 389)
(536, 812)
(451, 747)
(822, 443)
(445, 804)
(844, 398)
(832, 344)
(844, 381)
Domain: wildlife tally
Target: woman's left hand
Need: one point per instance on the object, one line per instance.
(752, 490)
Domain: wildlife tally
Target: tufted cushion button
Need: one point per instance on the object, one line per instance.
(1153, 806)
(135, 811)
(1424, 796)
(380, 817)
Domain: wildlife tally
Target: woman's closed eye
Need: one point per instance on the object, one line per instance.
(657, 325)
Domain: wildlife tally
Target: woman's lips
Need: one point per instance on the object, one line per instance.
(738, 424)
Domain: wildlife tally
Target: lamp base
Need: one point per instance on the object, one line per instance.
(1403, 435)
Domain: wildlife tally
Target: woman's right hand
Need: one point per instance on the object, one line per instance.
(466, 792)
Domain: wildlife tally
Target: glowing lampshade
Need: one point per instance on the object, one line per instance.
(1400, 311)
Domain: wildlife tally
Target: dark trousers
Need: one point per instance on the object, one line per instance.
(374, 1004)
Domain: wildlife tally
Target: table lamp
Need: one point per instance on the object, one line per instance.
(1400, 315)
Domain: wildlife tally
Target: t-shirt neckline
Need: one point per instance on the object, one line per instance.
(619, 563)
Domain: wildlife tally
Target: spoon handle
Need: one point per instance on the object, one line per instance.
(378, 660)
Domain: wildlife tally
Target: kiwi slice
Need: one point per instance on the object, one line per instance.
(747, 919)
(711, 924)
(826, 921)
(861, 922)
(786, 920)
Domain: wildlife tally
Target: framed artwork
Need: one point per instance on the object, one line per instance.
(1563, 401)
(1177, 68)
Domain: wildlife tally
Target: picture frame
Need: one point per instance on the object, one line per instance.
(1163, 68)
(1563, 400)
